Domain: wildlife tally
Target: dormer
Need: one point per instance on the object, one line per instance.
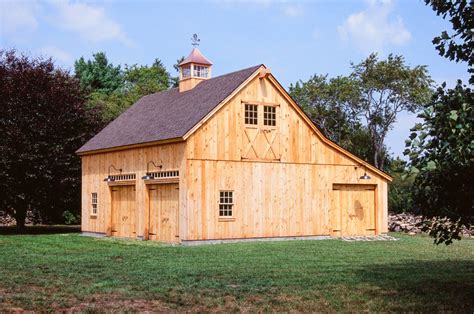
(193, 70)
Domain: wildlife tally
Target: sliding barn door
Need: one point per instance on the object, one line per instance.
(124, 212)
(164, 212)
(353, 210)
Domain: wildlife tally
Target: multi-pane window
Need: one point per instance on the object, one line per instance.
(200, 71)
(226, 203)
(94, 203)
(186, 71)
(251, 114)
(269, 115)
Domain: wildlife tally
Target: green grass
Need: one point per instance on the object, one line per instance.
(68, 271)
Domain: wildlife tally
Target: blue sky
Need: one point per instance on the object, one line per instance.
(294, 38)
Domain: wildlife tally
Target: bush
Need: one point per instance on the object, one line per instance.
(70, 218)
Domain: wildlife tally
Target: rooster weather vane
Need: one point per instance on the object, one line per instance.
(195, 40)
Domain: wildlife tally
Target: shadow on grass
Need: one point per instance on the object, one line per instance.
(422, 285)
(40, 229)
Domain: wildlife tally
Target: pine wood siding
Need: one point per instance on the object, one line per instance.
(134, 160)
(285, 177)
(285, 195)
(164, 212)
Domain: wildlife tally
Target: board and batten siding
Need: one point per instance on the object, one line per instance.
(273, 197)
(133, 160)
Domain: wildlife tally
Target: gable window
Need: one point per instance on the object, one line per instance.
(251, 114)
(200, 71)
(186, 71)
(269, 115)
(94, 203)
(226, 203)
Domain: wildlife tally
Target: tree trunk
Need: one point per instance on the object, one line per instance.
(20, 217)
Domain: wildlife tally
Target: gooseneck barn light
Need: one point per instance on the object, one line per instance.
(365, 176)
(148, 175)
(109, 177)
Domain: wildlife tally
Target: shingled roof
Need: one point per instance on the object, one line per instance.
(167, 115)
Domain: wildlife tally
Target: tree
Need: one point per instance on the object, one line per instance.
(457, 46)
(144, 80)
(400, 189)
(112, 90)
(98, 75)
(326, 102)
(385, 89)
(440, 151)
(43, 121)
(175, 79)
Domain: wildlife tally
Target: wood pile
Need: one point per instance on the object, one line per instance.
(412, 224)
(8, 220)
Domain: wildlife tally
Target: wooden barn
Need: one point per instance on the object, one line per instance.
(230, 157)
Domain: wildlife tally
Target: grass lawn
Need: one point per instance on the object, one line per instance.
(68, 271)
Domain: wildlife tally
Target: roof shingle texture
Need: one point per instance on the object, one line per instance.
(167, 115)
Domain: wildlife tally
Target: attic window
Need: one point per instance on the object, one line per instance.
(269, 115)
(186, 71)
(200, 71)
(251, 114)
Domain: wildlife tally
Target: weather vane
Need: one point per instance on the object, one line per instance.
(195, 40)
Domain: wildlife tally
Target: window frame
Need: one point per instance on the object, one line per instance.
(251, 115)
(269, 116)
(186, 71)
(226, 204)
(94, 203)
(200, 71)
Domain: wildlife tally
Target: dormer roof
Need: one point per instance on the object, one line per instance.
(196, 57)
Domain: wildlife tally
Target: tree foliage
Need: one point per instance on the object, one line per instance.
(457, 46)
(114, 90)
(98, 75)
(399, 191)
(386, 88)
(43, 121)
(327, 101)
(441, 154)
(358, 111)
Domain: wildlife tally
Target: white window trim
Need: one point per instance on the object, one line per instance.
(96, 203)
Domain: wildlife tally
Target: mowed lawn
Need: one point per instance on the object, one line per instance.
(69, 271)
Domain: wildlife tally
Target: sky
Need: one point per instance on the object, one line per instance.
(295, 39)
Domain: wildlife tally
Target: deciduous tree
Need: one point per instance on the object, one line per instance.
(457, 46)
(386, 88)
(43, 121)
(441, 150)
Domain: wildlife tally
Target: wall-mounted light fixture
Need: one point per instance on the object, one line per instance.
(365, 176)
(148, 175)
(109, 177)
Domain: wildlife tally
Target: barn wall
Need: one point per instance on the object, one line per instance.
(95, 169)
(284, 195)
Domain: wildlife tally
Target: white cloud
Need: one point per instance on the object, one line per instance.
(89, 22)
(56, 53)
(293, 10)
(18, 16)
(374, 28)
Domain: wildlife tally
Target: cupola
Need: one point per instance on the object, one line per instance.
(193, 70)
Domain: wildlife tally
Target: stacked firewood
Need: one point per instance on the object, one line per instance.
(8, 220)
(412, 224)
